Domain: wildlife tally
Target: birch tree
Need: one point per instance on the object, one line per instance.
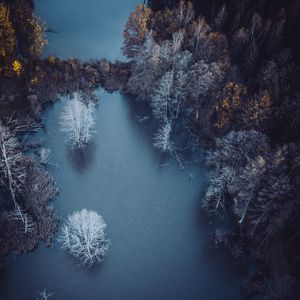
(200, 29)
(83, 235)
(203, 78)
(146, 68)
(12, 167)
(184, 13)
(161, 99)
(77, 121)
(162, 139)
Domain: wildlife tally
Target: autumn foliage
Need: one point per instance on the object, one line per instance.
(135, 29)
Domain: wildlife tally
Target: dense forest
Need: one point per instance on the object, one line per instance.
(221, 75)
(26, 187)
(228, 74)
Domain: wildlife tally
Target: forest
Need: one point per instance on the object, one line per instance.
(219, 76)
(228, 74)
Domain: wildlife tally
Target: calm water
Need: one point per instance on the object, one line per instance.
(159, 241)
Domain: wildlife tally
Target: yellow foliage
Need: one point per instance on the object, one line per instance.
(258, 108)
(228, 103)
(34, 80)
(51, 59)
(222, 121)
(17, 67)
(136, 28)
(230, 96)
(7, 33)
(265, 100)
(38, 37)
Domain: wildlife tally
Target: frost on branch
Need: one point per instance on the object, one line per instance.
(44, 295)
(146, 68)
(229, 159)
(251, 179)
(162, 138)
(83, 235)
(77, 121)
(161, 98)
(218, 186)
(12, 169)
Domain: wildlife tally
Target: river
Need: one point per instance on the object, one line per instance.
(160, 244)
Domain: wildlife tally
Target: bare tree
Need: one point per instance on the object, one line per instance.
(44, 295)
(203, 78)
(179, 94)
(261, 191)
(177, 41)
(83, 235)
(220, 18)
(184, 13)
(161, 98)
(200, 29)
(162, 139)
(12, 167)
(230, 158)
(44, 154)
(218, 186)
(146, 68)
(77, 121)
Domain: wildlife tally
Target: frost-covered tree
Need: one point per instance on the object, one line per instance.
(229, 159)
(12, 167)
(44, 295)
(184, 13)
(83, 235)
(180, 92)
(261, 192)
(203, 78)
(236, 147)
(177, 41)
(170, 94)
(218, 186)
(172, 54)
(162, 95)
(77, 121)
(200, 29)
(182, 61)
(146, 68)
(253, 179)
(162, 139)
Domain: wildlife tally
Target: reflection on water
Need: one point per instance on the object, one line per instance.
(81, 158)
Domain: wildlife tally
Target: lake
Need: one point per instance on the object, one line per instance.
(160, 241)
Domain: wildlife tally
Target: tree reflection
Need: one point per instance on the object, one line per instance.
(81, 158)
